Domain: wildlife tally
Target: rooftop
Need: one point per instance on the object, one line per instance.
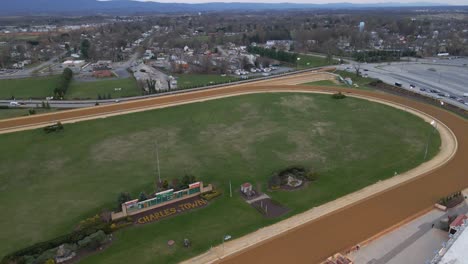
(457, 253)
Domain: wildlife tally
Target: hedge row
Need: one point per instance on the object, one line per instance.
(70, 238)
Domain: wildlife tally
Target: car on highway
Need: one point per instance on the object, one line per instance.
(422, 89)
(398, 84)
(453, 97)
(433, 91)
(14, 104)
(412, 86)
(441, 94)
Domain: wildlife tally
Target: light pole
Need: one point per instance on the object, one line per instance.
(157, 160)
(434, 126)
(297, 61)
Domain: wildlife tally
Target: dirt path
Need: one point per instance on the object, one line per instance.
(316, 234)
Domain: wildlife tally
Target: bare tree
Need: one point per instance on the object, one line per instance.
(151, 86)
(357, 67)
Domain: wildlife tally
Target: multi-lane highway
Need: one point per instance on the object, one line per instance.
(442, 79)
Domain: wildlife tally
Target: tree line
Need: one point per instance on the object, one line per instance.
(274, 54)
(382, 55)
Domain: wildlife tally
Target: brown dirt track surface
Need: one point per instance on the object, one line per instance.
(337, 231)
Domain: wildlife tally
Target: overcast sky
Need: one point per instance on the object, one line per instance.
(447, 2)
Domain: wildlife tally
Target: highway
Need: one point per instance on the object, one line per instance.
(447, 77)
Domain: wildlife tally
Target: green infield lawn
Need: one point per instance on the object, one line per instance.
(91, 90)
(26, 88)
(49, 182)
(185, 81)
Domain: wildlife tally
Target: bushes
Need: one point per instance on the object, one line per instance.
(122, 198)
(90, 222)
(210, 195)
(275, 182)
(281, 178)
(41, 247)
(93, 241)
(53, 128)
(117, 226)
(338, 95)
(311, 176)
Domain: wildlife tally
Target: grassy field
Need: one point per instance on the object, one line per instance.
(39, 87)
(185, 81)
(323, 83)
(61, 178)
(91, 90)
(18, 112)
(44, 86)
(362, 82)
(309, 61)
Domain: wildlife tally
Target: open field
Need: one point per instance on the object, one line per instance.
(17, 112)
(324, 82)
(309, 61)
(42, 87)
(243, 138)
(361, 81)
(39, 87)
(195, 80)
(91, 90)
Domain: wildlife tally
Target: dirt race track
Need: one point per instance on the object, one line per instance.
(336, 231)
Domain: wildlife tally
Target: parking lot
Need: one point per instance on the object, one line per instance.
(442, 79)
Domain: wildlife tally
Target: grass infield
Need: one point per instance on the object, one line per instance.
(49, 182)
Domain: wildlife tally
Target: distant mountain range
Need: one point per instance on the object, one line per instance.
(93, 7)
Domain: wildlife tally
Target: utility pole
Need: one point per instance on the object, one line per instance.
(230, 189)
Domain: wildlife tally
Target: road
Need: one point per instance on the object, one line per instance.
(449, 79)
(27, 72)
(341, 228)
